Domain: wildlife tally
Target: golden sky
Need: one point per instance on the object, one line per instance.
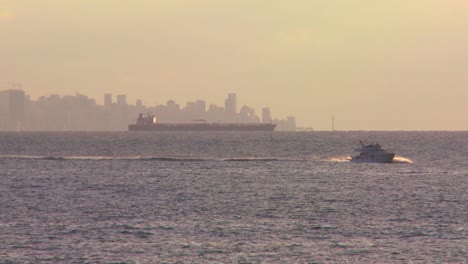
(375, 65)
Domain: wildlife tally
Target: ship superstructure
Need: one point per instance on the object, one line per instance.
(373, 152)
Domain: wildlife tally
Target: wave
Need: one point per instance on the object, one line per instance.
(253, 159)
(142, 158)
(397, 159)
(98, 158)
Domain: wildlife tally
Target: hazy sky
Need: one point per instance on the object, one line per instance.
(375, 65)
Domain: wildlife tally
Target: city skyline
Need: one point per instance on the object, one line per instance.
(18, 112)
(395, 65)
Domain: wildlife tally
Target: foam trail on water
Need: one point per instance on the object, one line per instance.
(400, 159)
(339, 159)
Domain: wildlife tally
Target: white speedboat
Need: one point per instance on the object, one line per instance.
(373, 152)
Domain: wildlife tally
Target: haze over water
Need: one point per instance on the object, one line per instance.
(282, 197)
(231, 198)
(375, 65)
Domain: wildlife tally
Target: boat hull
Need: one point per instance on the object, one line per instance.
(374, 158)
(202, 127)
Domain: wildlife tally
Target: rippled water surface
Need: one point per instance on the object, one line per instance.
(232, 198)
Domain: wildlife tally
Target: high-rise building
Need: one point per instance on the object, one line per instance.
(201, 106)
(121, 99)
(230, 104)
(4, 109)
(247, 115)
(266, 115)
(139, 103)
(12, 109)
(195, 110)
(291, 120)
(107, 100)
(172, 106)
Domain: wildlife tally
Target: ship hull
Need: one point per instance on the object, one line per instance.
(202, 127)
(374, 158)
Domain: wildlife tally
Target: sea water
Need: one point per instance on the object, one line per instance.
(251, 197)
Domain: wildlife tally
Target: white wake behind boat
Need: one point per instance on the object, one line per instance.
(373, 152)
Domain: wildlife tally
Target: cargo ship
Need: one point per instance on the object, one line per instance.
(149, 123)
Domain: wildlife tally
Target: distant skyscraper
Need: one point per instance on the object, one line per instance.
(121, 99)
(201, 106)
(215, 108)
(230, 104)
(139, 103)
(11, 109)
(172, 106)
(291, 123)
(195, 109)
(107, 100)
(266, 115)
